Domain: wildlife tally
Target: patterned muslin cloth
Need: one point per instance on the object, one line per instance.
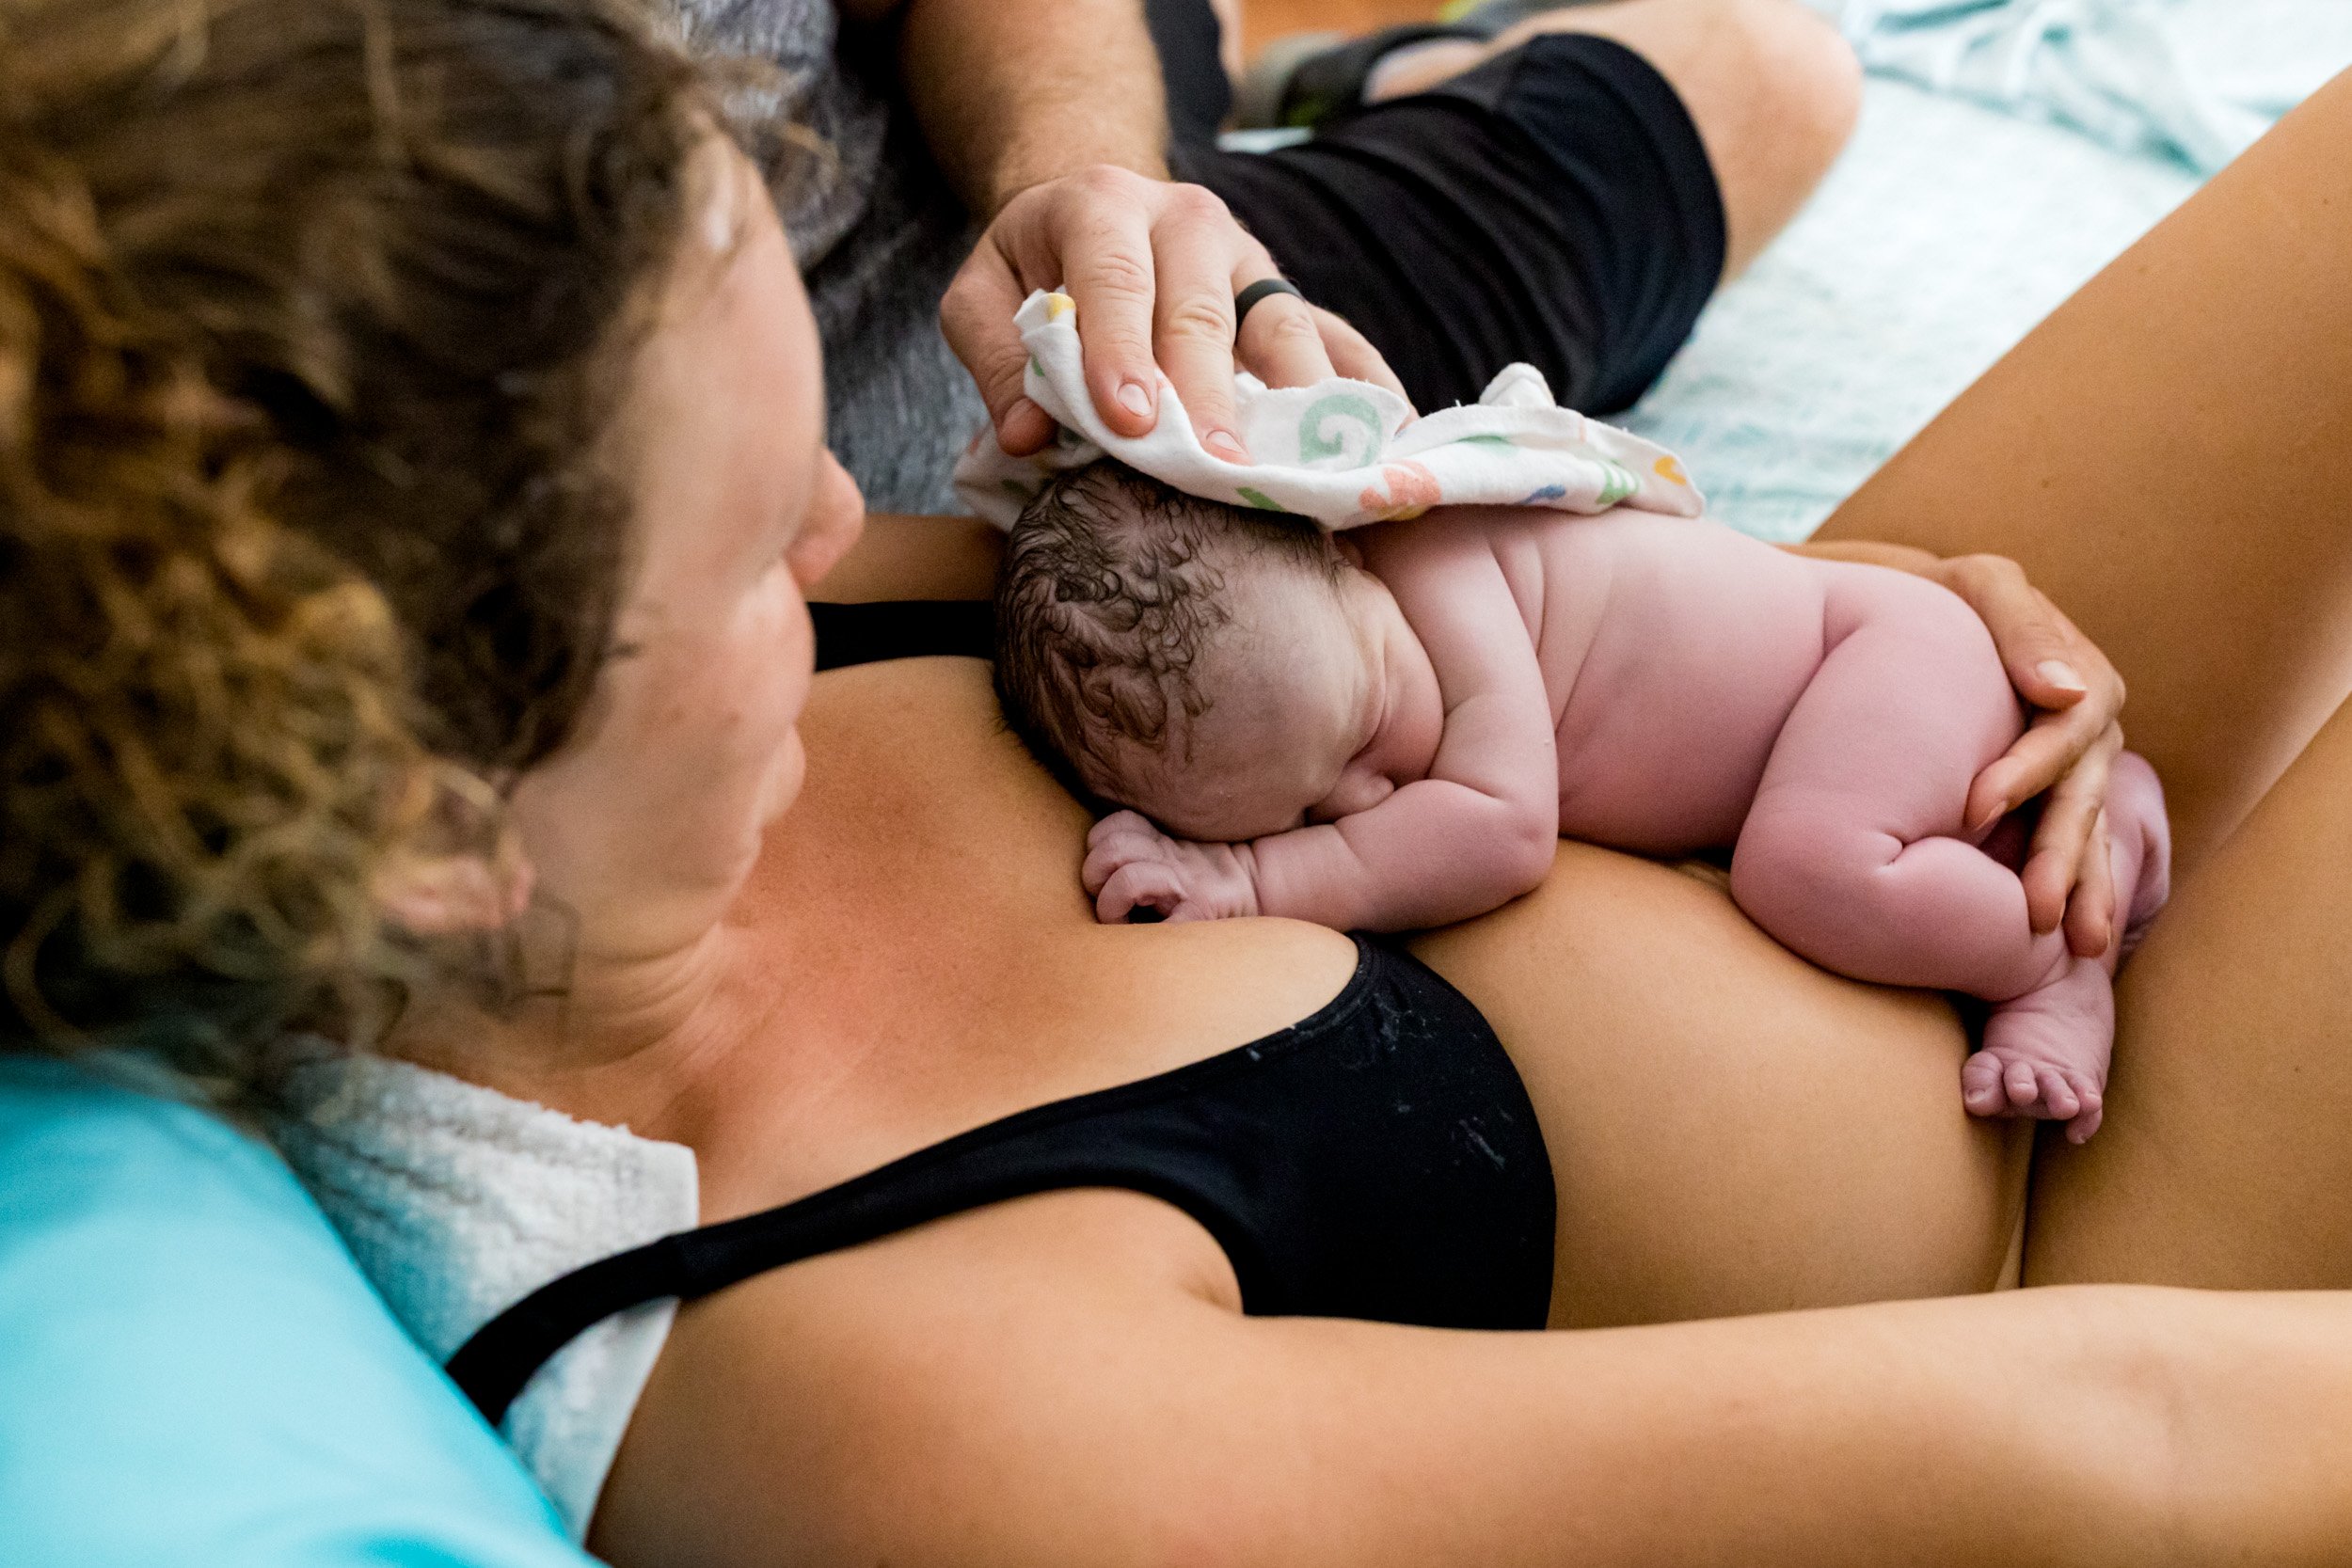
(1341, 451)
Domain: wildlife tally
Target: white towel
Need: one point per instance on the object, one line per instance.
(1341, 451)
(458, 1201)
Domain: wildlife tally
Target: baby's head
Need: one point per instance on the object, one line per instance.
(1221, 670)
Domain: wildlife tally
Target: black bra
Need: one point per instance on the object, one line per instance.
(1380, 1160)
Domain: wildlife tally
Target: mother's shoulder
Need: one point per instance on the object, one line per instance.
(929, 873)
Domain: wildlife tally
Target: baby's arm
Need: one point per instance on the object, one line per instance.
(1479, 830)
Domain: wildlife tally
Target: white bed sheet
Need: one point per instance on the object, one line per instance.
(1950, 227)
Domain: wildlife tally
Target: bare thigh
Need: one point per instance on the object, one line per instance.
(2226, 1156)
(1732, 1130)
(2170, 457)
(1771, 86)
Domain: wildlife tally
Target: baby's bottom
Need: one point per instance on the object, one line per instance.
(1855, 853)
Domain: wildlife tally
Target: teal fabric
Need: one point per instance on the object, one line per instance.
(193, 1372)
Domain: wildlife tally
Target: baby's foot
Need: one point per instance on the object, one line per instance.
(2136, 804)
(2045, 1053)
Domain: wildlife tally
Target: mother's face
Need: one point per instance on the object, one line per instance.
(646, 822)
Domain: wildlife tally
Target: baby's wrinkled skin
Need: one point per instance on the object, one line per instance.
(1405, 749)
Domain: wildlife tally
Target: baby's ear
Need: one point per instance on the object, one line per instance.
(1349, 551)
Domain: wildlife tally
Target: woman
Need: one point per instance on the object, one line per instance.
(418, 395)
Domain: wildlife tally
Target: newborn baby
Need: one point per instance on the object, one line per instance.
(1391, 729)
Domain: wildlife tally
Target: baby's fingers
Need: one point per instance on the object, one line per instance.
(1120, 822)
(1117, 840)
(1142, 885)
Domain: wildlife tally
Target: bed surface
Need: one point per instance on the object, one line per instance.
(2006, 151)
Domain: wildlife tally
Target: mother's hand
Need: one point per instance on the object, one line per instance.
(1153, 266)
(2066, 751)
(2067, 748)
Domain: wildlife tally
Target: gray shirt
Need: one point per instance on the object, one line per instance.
(877, 235)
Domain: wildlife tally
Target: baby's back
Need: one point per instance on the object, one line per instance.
(1673, 650)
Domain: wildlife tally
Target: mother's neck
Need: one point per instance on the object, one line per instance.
(615, 1042)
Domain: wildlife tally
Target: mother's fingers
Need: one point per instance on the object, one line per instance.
(2090, 922)
(2061, 855)
(2049, 660)
(2052, 746)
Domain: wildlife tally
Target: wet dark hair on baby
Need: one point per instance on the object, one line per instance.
(1112, 589)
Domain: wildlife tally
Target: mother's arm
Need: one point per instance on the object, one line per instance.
(1036, 1384)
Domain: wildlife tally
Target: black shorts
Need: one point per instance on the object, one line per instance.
(1553, 205)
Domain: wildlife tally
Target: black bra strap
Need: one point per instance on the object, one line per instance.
(850, 634)
(1123, 1137)
(492, 1367)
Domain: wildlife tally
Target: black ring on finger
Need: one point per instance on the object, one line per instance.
(1261, 290)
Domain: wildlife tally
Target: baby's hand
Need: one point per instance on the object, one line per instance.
(1131, 865)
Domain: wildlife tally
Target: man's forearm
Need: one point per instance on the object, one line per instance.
(1012, 95)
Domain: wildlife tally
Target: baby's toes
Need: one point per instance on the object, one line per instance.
(2019, 1083)
(2086, 1120)
(1980, 1088)
(2059, 1102)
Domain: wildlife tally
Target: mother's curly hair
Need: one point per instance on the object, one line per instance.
(306, 315)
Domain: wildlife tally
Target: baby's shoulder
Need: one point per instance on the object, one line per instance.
(1626, 535)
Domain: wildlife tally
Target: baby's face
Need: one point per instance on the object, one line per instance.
(1321, 704)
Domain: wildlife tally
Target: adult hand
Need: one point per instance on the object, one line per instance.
(1153, 267)
(2066, 751)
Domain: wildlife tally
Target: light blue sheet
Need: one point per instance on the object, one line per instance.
(194, 1376)
(1957, 219)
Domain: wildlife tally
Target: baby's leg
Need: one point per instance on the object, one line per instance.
(2033, 1039)
(1854, 852)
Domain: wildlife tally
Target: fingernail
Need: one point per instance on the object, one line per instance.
(1223, 443)
(2060, 675)
(1986, 818)
(1136, 399)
